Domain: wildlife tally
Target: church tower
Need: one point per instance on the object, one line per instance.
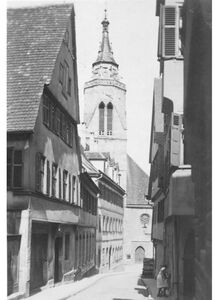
(105, 107)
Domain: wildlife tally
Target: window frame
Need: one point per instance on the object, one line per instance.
(14, 165)
(65, 179)
(54, 180)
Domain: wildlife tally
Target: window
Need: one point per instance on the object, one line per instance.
(109, 118)
(53, 118)
(48, 178)
(145, 219)
(65, 174)
(46, 111)
(169, 32)
(66, 38)
(61, 124)
(69, 86)
(61, 73)
(69, 188)
(54, 179)
(14, 168)
(40, 162)
(58, 121)
(101, 118)
(73, 188)
(66, 77)
(67, 246)
(160, 216)
(60, 189)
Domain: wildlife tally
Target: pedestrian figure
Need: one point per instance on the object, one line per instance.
(162, 282)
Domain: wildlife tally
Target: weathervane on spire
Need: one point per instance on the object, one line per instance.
(105, 22)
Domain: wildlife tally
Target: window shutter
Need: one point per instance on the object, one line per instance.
(37, 171)
(170, 33)
(9, 166)
(17, 174)
(159, 49)
(48, 178)
(175, 150)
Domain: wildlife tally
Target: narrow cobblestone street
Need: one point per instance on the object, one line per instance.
(123, 284)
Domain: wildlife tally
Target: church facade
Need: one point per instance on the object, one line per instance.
(105, 132)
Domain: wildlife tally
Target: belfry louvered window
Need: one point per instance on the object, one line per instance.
(169, 44)
(101, 118)
(109, 118)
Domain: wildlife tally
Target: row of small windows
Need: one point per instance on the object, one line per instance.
(116, 255)
(84, 248)
(110, 196)
(109, 224)
(108, 122)
(53, 181)
(89, 202)
(57, 121)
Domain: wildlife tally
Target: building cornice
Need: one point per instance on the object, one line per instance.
(105, 82)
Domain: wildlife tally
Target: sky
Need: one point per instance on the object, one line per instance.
(133, 33)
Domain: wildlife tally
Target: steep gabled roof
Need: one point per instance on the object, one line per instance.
(137, 183)
(34, 37)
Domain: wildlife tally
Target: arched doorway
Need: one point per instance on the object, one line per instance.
(139, 254)
(188, 267)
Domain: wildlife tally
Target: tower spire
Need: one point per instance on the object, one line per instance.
(105, 54)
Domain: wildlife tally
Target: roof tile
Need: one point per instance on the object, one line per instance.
(34, 37)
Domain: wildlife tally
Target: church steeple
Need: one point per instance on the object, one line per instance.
(105, 54)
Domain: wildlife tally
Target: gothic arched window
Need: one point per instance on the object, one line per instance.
(109, 118)
(101, 118)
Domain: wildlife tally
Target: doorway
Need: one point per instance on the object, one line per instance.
(38, 260)
(13, 249)
(57, 263)
(139, 254)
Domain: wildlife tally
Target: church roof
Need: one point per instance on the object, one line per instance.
(137, 183)
(105, 54)
(34, 37)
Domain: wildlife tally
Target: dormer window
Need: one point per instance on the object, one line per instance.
(66, 38)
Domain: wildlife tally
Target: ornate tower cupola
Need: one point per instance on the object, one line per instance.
(105, 54)
(105, 59)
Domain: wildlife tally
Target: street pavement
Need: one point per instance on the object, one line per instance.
(122, 283)
(118, 286)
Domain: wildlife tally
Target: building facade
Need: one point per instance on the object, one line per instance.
(109, 233)
(137, 234)
(105, 132)
(171, 187)
(197, 40)
(46, 215)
